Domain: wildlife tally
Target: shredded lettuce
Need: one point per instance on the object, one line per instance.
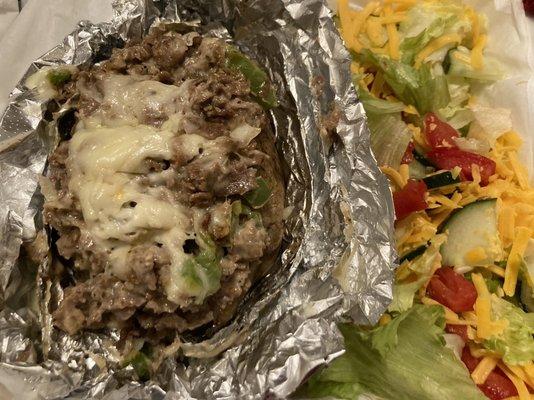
(456, 113)
(429, 21)
(411, 46)
(490, 71)
(422, 267)
(422, 88)
(403, 360)
(374, 105)
(489, 123)
(516, 343)
(390, 137)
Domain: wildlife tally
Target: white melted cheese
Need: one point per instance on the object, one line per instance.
(40, 82)
(106, 166)
(129, 100)
(123, 204)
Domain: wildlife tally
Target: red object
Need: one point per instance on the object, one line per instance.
(452, 290)
(409, 199)
(439, 134)
(407, 158)
(497, 386)
(449, 158)
(529, 6)
(460, 330)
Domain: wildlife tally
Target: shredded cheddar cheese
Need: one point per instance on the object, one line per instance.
(436, 45)
(477, 61)
(393, 35)
(515, 259)
(483, 369)
(378, 27)
(395, 176)
(486, 328)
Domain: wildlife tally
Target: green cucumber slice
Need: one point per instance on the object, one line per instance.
(413, 254)
(440, 179)
(422, 159)
(417, 170)
(470, 228)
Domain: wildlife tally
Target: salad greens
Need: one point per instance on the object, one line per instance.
(387, 127)
(403, 360)
(516, 344)
(416, 65)
(423, 88)
(422, 269)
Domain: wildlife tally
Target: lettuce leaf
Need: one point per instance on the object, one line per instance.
(374, 105)
(423, 88)
(411, 46)
(422, 267)
(429, 21)
(403, 360)
(490, 72)
(390, 137)
(516, 343)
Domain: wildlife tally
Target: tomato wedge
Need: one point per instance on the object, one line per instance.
(460, 330)
(439, 134)
(452, 290)
(409, 199)
(529, 7)
(497, 386)
(449, 158)
(407, 158)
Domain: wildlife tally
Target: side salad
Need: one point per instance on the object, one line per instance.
(461, 322)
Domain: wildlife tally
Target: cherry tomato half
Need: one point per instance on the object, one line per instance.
(407, 158)
(439, 134)
(452, 290)
(449, 158)
(497, 386)
(409, 199)
(460, 330)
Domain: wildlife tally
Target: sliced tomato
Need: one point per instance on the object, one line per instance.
(439, 134)
(497, 386)
(529, 7)
(449, 158)
(409, 199)
(452, 290)
(407, 158)
(460, 330)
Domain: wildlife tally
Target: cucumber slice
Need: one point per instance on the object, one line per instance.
(413, 254)
(422, 159)
(417, 170)
(440, 179)
(527, 297)
(472, 229)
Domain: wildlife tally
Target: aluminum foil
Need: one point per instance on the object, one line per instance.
(337, 260)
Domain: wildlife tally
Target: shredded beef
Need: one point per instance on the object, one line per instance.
(219, 100)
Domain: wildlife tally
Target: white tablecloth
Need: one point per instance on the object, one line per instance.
(41, 25)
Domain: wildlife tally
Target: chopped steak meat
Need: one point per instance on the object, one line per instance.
(148, 193)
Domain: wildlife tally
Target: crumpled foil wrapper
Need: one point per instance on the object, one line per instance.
(338, 256)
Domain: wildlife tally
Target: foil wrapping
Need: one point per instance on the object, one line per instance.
(337, 259)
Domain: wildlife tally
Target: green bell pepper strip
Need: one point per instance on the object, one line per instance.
(260, 86)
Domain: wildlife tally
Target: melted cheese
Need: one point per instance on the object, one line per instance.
(108, 175)
(40, 82)
(129, 100)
